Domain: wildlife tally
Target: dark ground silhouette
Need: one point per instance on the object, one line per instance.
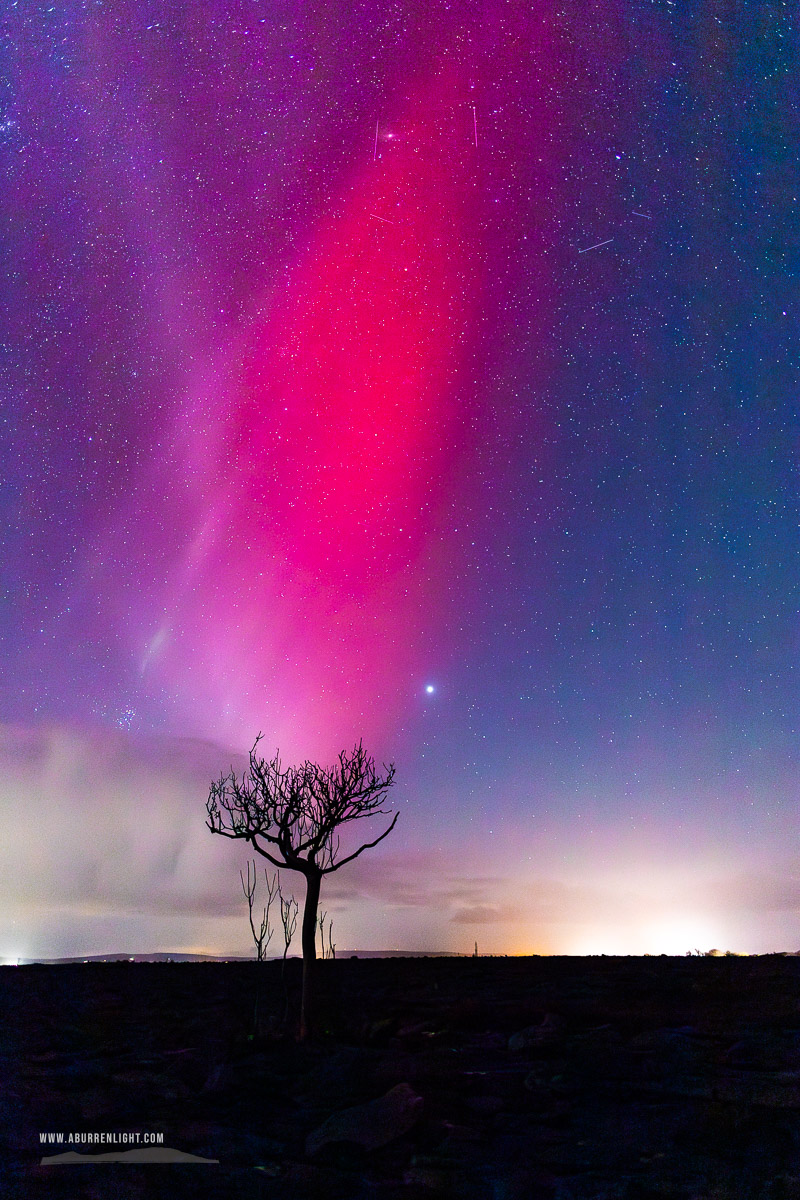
(487, 1079)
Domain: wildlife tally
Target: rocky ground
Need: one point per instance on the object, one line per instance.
(483, 1079)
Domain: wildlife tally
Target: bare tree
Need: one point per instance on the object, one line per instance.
(263, 935)
(292, 816)
(289, 909)
(330, 952)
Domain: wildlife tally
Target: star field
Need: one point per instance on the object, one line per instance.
(422, 375)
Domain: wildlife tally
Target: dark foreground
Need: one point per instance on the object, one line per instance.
(631, 1079)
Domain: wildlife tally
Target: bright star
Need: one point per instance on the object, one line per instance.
(430, 689)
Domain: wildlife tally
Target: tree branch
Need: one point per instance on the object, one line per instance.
(276, 862)
(361, 849)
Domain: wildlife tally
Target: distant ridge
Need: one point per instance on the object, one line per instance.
(156, 956)
(159, 956)
(178, 956)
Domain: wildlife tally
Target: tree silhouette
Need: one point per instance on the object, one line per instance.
(289, 907)
(262, 935)
(292, 816)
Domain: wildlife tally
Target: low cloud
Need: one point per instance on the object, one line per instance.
(105, 841)
(97, 820)
(101, 824)
(412, 879)
(754, 892)
(484, 915)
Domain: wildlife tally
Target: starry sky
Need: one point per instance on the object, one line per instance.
(424, 373)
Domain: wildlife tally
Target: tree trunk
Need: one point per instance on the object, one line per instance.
(313, 881)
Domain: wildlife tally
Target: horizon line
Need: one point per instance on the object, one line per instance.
(160, 956)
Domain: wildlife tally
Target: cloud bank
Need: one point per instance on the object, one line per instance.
(105, 849)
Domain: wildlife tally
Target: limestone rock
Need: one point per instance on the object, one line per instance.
(370, 1125)
(542, 1035)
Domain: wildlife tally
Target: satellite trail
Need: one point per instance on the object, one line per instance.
(594, 247)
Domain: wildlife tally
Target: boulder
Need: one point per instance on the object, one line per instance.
(370, 1125)
(546, 1034)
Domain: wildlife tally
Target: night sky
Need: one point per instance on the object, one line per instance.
(419, 372)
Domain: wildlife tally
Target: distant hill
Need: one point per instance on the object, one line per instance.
(159, 956)
(179, 956)
(156, 956)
